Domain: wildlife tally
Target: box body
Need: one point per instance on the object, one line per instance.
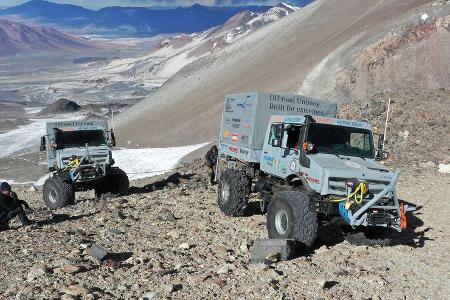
(246, 116)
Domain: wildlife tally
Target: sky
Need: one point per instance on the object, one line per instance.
(95, 4)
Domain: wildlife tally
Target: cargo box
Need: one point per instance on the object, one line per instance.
(246, 116)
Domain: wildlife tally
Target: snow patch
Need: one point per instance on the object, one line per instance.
(294, 8)
(139, 163)
(39, 182)
(25, 137)
(142, 163)
(444, 168)
(33, 110)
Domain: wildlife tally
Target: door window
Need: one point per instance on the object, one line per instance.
(274, 134)
(293, 135)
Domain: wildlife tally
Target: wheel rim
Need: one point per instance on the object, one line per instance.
(52, 196)
(281, 221)
(225, 192)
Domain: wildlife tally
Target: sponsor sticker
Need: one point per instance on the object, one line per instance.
(226, 133)
(243, 151)
(314, 180)
(268, 158)
(233, 149)
(229, 105)
(235, 137)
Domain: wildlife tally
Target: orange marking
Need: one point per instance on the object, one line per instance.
(403, 223)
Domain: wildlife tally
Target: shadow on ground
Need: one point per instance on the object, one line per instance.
(336, 232)
(173, 179)
(59, 218)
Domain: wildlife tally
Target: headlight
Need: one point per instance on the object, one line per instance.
(352, 183)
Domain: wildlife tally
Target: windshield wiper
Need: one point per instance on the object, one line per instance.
(337, 155)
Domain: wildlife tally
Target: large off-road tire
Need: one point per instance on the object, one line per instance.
(291, 215)
(234, 189)
(58, 193)
(116, 182)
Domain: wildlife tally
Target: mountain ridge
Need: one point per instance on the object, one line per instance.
(129, 20)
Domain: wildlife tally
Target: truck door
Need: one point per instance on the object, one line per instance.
(290, 150)
(272, 149)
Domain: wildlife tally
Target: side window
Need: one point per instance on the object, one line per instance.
(275, 130)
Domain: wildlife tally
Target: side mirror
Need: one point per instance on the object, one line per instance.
(381, 155)
(43, 146)
(113, 139)
(276, 143)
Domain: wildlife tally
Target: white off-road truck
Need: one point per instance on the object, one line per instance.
(306, 163)
(79, 158)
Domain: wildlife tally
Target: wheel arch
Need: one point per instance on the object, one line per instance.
(297, 180)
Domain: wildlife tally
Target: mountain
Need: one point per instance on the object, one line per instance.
(175, 52)
(316, 51)
(135, 20)
(15, 38)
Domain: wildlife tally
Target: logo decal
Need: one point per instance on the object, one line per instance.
(242, 105)
(293, 166)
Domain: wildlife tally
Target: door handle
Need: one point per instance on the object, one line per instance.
(265, 152)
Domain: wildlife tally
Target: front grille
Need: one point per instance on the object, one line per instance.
(338, 184)
(101, 159)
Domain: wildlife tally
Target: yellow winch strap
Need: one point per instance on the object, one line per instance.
(361, 188)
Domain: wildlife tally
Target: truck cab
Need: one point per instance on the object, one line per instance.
(322, 152)
(79, 158)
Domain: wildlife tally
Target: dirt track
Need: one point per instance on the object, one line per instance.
(148, 231)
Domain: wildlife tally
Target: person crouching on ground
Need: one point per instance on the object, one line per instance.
(11, 207)
(211, 162)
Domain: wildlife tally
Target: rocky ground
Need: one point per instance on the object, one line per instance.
(418, 138)
(168, 239)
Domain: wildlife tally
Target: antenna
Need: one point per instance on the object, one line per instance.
(386, 124)
(112, 117)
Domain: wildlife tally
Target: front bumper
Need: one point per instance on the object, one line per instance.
(384, 209)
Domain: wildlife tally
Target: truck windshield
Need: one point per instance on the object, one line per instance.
(79, 138)
(341, 140)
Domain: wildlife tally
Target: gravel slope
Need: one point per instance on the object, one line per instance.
(170, 239)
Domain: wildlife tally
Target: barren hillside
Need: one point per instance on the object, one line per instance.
(289, 55)
(16, 37)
